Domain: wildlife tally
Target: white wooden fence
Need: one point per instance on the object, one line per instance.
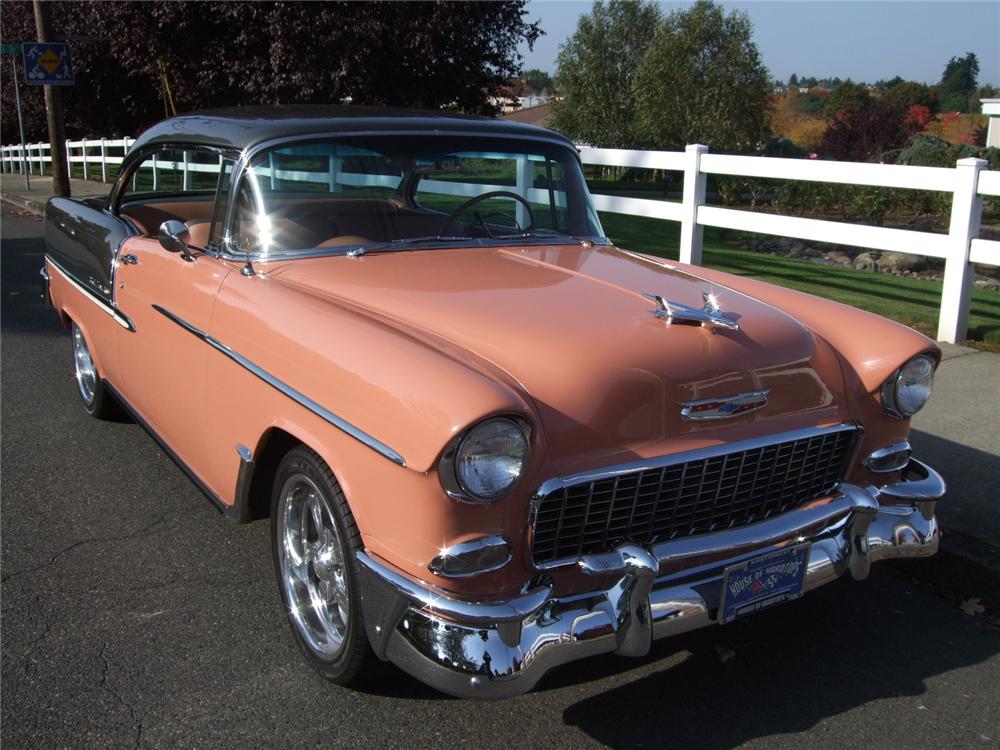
(960, 248)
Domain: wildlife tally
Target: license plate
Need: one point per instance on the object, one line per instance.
(763, 581)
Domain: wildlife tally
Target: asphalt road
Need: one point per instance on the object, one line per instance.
(134, 615)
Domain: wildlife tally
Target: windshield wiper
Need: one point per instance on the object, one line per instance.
(403, 244)
(554, 236)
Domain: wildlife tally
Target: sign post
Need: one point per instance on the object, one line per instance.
(13, 50)
(51, 65)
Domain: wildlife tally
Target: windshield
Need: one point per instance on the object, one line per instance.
(392, 192)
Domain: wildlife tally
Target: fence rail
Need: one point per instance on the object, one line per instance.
(960, 247)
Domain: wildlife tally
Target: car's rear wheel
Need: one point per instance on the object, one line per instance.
(97, 401)
(313, 540)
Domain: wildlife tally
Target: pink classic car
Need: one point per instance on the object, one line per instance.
(487, 441)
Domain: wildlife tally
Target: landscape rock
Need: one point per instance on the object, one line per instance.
(902, 262)
(839, 257)
(865, 262)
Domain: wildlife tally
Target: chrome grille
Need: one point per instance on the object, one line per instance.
(673, 499)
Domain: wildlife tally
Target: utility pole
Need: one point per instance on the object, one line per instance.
(53, 108)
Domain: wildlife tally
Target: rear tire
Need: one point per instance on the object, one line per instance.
(313, 543)
(97, 400)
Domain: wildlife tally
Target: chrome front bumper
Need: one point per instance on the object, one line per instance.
(499, 649)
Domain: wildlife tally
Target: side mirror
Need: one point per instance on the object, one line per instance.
(174, 237)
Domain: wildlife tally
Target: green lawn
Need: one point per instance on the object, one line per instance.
(910, 301)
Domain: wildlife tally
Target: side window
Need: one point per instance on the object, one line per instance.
(172, 171)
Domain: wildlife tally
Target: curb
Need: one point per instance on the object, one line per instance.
(25, 204)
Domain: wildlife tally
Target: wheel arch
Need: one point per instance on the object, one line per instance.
(272, 446)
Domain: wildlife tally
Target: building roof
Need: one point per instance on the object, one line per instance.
(537, 115)
(242, 128)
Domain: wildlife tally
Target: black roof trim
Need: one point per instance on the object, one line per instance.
(242, 128)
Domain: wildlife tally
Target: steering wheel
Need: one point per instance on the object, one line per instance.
(453, 217)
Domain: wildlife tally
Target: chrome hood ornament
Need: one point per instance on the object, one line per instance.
(710, 314)
(724, 407)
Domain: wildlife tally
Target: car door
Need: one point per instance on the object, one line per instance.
(169, 297)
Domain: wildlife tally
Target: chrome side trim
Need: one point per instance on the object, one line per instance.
(244, 478)
(117, 315)
(279, 385)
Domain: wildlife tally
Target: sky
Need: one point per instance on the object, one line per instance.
(864, 41)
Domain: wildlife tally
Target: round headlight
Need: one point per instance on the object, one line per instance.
(909, 388)
(491, 458)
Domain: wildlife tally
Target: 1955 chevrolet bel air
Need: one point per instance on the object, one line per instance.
(488, 441)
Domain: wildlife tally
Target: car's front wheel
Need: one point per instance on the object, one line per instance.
(313, 540)
(97, 401)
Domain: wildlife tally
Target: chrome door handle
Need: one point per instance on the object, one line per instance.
(129, 260)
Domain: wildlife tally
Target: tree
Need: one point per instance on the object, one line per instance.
(850, 96)
(958, 83)
(539, 80)
(864, 135)
(905, 94)
(793, 80)
(594, 72)
(434, 55)
(702, 81)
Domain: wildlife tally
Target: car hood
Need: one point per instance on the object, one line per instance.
(571, 327)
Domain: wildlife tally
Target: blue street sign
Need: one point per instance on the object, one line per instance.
(47, 64)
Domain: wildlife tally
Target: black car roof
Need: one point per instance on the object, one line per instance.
(243, 128)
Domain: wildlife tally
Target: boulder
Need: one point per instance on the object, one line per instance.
(839, 257)
(865, 262)
(903, 262)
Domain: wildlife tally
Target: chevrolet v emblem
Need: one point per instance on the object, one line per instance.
(724, 407)
(709, 314)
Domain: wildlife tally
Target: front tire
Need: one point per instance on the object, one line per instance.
(313, 541)
(97, 401)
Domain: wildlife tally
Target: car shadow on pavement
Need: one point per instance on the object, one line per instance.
(786, 670)
(22, 309)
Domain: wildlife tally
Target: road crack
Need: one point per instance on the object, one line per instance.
(90, 540)
(136, 718)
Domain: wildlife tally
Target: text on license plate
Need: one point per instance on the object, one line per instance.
(763, 581)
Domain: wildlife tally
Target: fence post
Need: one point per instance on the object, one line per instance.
(69, 164)
(187, 173)
(156, 178)
(959, 273)
(104, 160)
(83, 150)
(41, 159)
(26, 156)
(692, 233)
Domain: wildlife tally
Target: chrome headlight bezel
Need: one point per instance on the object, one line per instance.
(893, 404)
(450, 472)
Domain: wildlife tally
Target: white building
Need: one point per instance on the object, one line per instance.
(991, 108)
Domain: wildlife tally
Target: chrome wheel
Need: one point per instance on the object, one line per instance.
(312, 566)
(83, 367)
